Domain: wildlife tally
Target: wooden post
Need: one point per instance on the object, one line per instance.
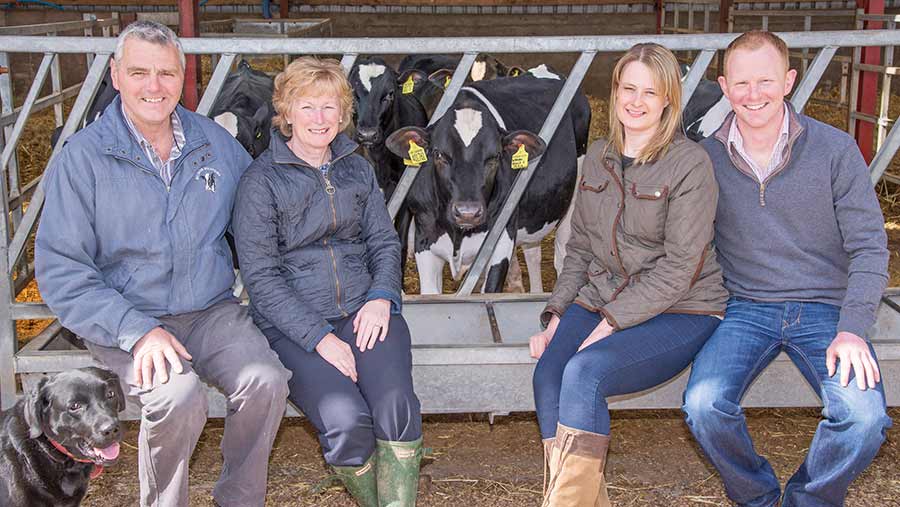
(867, 94)
(659, 14)
(189, 26)
(724, 9)
(284, 8)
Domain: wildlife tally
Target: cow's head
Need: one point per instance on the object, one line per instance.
(376, 88)
(249, 125)
(470, 153)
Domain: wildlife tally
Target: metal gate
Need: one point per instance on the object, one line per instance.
(470, 353)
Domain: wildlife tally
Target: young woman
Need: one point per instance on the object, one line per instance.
(640, 269)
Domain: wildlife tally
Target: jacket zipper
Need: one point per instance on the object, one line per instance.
(329, 189)
(615, 228)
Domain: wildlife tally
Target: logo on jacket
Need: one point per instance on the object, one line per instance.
(208, 175)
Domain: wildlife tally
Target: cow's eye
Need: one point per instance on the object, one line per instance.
(110, 394)
(74, 406)
(259, 134)
(440, 157)
(388, 97)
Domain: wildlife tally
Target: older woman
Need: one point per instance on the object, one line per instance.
(640, 269)
(321, 261)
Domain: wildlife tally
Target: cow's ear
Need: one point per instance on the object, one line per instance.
(262, 114)
(34, 408)
(441, 78)
(414, 76)
(533, 144)
(515, 71)
(398, 142)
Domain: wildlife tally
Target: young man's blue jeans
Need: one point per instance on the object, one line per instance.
(751, 336)
(571, 387)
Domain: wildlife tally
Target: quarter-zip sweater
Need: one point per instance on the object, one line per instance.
(811, 231)
(116, 247)
(313, 245)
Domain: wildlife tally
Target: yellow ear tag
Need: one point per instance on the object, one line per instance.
(417, 154)
(520, 158)
(446, 82)
(515, 73)
(408, 86)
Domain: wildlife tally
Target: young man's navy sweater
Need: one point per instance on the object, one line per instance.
(812, 231)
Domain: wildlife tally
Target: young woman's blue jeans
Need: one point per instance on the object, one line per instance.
(571, 387)
(751, 336)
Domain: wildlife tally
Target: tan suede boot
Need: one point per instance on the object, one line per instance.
(548, 451)
(576, 467)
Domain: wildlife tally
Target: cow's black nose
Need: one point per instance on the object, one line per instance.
(367, 135)
(109, 429)
(468, 213)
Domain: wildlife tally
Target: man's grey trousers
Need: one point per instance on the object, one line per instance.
(231, 354)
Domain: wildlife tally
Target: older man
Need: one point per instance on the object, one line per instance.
(802, 246)
(131, 256)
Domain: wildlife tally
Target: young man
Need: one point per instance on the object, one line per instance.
(801, 241)
(131, 256)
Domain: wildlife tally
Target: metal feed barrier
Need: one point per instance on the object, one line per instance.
(470, 352)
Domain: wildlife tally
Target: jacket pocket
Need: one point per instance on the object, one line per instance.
(645, 211)
(595, 186)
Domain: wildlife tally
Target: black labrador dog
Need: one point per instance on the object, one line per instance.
(58, 437)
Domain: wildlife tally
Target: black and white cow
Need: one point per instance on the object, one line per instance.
(106, 93)
(706, 110)
(461, 187)
(381, 108)
(439, 69)
(244, 107)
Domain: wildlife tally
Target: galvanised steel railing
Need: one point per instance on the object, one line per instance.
(13, 248)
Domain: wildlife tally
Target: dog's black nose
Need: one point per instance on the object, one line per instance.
(110, 429)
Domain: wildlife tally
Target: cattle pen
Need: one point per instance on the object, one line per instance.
(470, 351)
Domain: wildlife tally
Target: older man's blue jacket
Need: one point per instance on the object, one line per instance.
(116, 248)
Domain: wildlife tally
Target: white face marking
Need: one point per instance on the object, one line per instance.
(228, 121)
(369, 71)
(541, 71)
(468, 124)
(713, 118)
(479, 69)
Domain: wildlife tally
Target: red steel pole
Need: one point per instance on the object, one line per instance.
(868, 83)
(189, 26)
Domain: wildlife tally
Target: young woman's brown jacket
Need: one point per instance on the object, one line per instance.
(641, 239)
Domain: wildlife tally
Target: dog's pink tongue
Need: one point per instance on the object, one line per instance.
(110, 453)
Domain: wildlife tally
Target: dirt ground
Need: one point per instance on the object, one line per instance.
(653, 461)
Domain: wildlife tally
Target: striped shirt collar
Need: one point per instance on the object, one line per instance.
(166, 168)
(736, 140)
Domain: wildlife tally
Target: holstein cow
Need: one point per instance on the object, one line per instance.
(439, 69)
(706, 110)
(471, 158)
(244, 107)
(106, 93)
(383, 106)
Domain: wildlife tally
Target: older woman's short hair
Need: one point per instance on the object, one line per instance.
(310, 76)
(149, 31)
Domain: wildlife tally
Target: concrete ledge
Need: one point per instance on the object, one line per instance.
(472, 356)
